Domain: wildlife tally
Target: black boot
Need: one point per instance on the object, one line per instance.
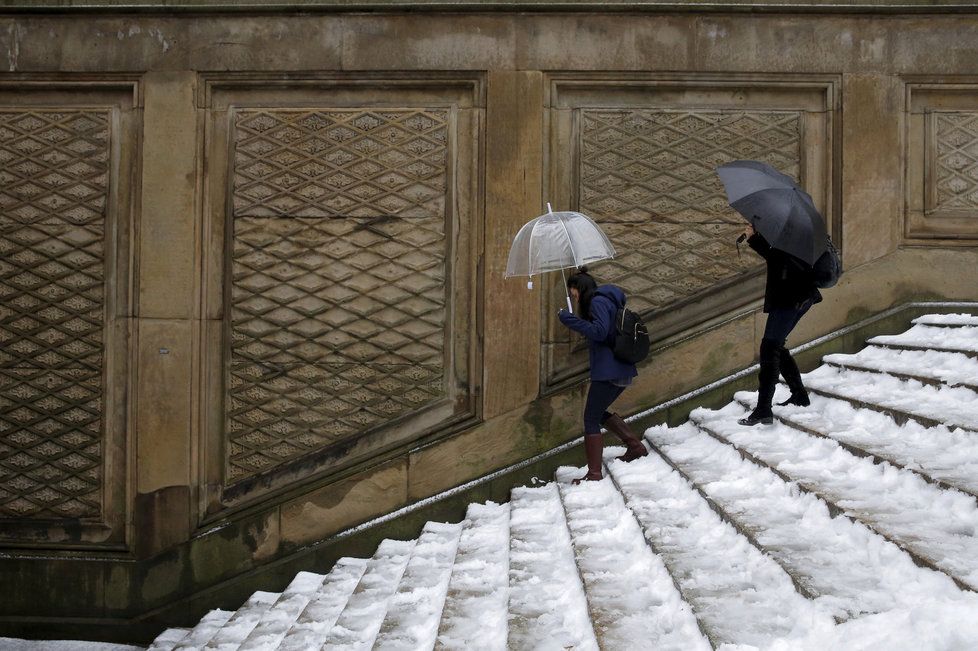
(617, 426)
(767, 380)
(792, 376)
(593, 445)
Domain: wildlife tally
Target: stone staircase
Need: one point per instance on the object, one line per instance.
(842, 523)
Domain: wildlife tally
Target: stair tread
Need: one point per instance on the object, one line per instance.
(168, 639)
(852, 569)
(713, 564)
(949, 368)
(964, 338)
(949, 455)
(630, 593)
(952, 405)
(311, 627)
(275, 622)
(242, 622)
(938, 524)
(947, 319)
(476, 602)
(547, 606)
(357, 625)
(415, 608)
(205, 629)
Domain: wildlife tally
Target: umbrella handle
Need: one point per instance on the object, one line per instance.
(570, 307)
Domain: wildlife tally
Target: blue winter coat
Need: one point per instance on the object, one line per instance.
(600, 333)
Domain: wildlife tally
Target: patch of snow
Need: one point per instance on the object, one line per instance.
(853, 570)
(927, 336)
(547, 606)
(740, 595)
(632, 599)
(313, 624)
(475, 612)
(939, 525)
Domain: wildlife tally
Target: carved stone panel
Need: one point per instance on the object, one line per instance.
(647, 176)
(54, 169)
(942, 162)
(338, 293)
(955, 162)
(640, 159)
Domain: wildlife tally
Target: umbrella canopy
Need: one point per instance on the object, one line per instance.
(776, 207)
(557, 240)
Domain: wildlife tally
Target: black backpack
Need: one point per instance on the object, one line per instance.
(828, 268)
(631, 337)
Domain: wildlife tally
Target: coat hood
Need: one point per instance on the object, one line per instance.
(612, 293)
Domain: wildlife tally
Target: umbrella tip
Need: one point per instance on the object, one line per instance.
(549, 209)
(529, 284)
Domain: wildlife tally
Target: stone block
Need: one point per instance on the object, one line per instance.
(346, 503)
(167, 225)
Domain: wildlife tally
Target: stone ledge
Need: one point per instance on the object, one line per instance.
(445, 6)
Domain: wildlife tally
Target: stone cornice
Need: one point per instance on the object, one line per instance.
(450, 6)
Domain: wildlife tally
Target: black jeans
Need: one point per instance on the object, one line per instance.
(599, 397)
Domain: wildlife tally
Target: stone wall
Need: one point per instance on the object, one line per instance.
(251, 286)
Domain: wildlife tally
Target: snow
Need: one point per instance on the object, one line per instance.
(277, 620)
(947, 319)
(773, 537)
(939, 525)
(951, 405)
(16, 644)
(632, 599)
(415, 609)
(547, 606)
(740, 595)
(358, 624)
(963, 338)
(946, 454)
(314, 622)
(852, 570)
(474, 616)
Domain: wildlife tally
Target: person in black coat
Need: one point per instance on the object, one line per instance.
(789, 293)
(595, 320)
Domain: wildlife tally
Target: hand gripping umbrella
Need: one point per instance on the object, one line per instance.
(776, 207)
(557, 240)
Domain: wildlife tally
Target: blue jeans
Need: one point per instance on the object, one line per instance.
(599, 397)
(782, 320)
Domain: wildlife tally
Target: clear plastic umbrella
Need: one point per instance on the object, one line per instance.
(557, 241)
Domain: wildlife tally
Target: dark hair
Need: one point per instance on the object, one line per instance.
(585, 286)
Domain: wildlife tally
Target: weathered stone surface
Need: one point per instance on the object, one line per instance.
(343, 504)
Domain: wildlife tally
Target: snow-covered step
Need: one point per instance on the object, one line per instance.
(948, 320)
(852, 570)
(927, 366)
(168, 639)
(277, 620)
(946, 456)
(929, 405)
(739, 595)
(963, 339)
(415, 609)
(475, 612)
(242, 622)
(939, 527)
(205, 629)
(358, 623)
(314, 622)
(547, 606)
(633, 601)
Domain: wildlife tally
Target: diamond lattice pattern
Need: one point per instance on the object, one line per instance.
(957, 161)
(647, 176)
(52, 213)
(339, 293)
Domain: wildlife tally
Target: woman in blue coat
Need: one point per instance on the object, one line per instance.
(595, 319)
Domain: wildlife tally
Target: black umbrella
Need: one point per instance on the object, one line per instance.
(776, 207)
